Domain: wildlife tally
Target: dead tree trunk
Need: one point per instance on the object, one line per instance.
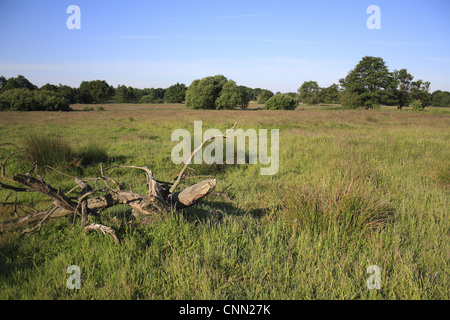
(160, 199)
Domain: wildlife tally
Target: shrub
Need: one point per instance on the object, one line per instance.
(17, 100)
(265, 96)
(228, 98)
(417, 105)
(281, 102)
(32, 100)
(150, 99)
(203, 93)
(350, 100)
(51, 151)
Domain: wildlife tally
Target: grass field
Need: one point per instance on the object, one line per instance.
(354, 189)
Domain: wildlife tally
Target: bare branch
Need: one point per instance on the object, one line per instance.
(39, 225)
(103, 229)
(180, 175)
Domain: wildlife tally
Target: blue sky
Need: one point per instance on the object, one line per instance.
(267, 44)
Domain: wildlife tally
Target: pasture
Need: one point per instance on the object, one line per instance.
(355, 188)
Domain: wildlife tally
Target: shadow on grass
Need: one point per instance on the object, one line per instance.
(215, 210)
(10, 261)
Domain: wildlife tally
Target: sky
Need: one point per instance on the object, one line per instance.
(275, 45)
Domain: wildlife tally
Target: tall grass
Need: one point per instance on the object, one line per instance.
(48, 151)
(354, 189)
(350, 208)
(58, 152)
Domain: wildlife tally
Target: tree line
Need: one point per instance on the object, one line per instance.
(18, 93)
(368, 85)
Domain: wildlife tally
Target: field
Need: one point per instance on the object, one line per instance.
(354, 189)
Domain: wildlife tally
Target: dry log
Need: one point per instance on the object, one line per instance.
(145, 205)
(85, 188)
(23, 221)
(61, 200)
(160, 197)
(93, 204)
(192, 194)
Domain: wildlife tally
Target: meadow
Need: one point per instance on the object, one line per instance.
(355, 188)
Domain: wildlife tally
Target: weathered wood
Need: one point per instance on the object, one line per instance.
(103, 229)
(145, 205)
(157, 202)
(160, 197)
(23, 221)
(85, 188)
(93, 204)
(192, 194)
(40, 186)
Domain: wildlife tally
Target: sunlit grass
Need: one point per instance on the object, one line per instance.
(354, 189)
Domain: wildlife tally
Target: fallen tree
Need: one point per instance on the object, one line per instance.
(100, 193)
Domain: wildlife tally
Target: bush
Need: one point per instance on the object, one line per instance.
(281, 102)
(417, 105)
(350, 100)
(150, 99)
(50, 101)
(265, 96)
(32, 100)
(203, 93)
(17, 100)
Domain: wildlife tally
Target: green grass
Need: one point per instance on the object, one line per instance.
(354, 189)
(92, 153)
(46, 150)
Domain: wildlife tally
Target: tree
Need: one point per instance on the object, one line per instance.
(203, 93)
(420, 90)
(281, 102)
(159, 95)
(148, 95)
(371, 81)
(440, 98)
(18, 99)
(175, 93)
(71, 94)
(256, 92)
(329, 94)
(265, 96)
(96, 91)
(3, 82)
(49, 87)
(228, 98)
(244, 95)
(309, 92)
(402, 90)
(21, 99)
(20, 82)
(50, 101)
(124, 94)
